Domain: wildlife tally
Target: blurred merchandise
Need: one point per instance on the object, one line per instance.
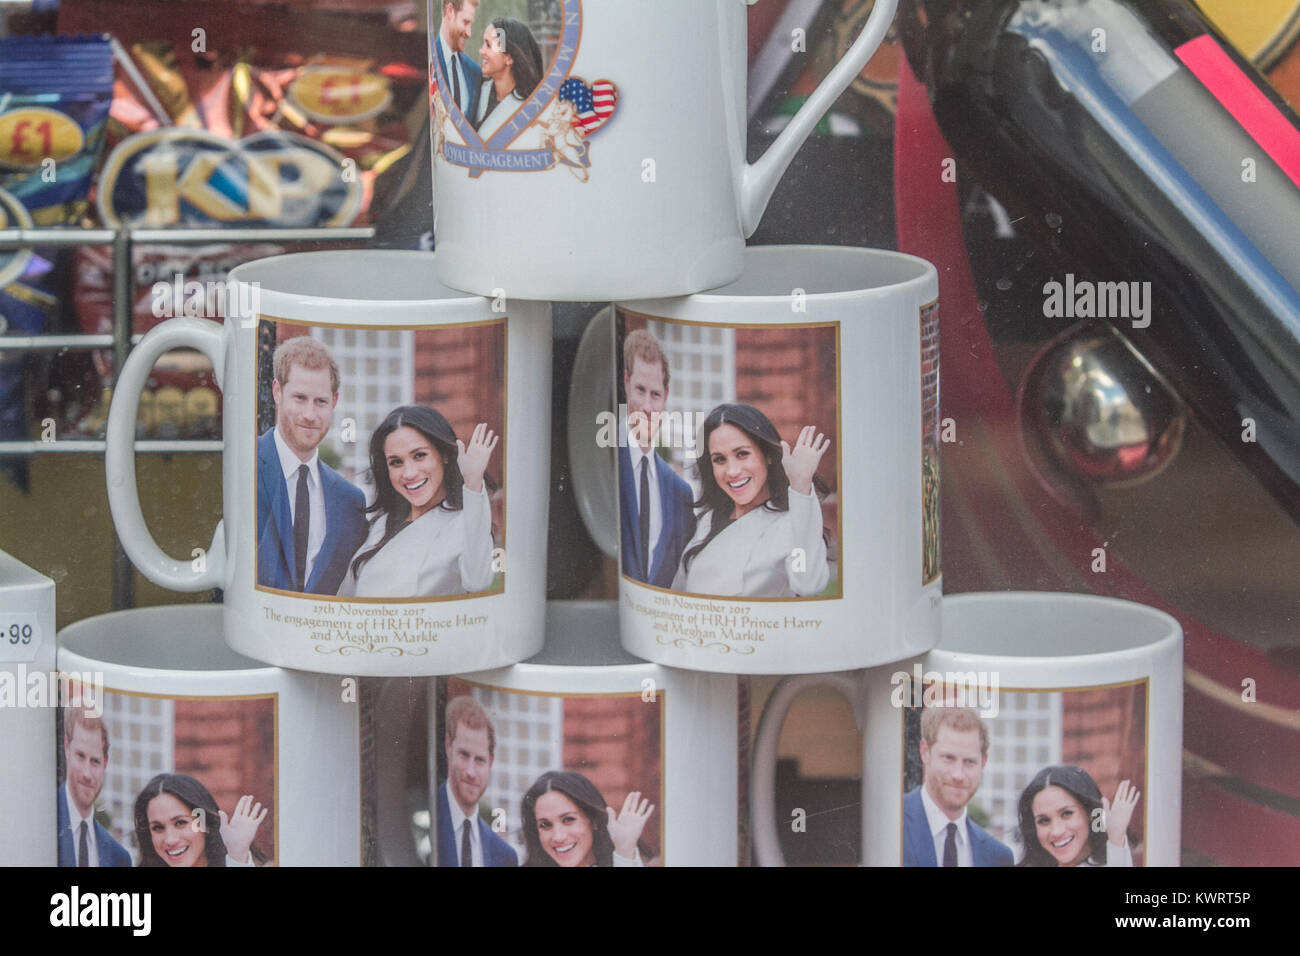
(224, 119)
(54, 99)
(1263, 30)
(1114, 226)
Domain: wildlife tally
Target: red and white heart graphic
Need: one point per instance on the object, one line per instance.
(594, 104)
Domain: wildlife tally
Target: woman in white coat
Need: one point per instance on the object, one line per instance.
(1065, 821)
(760, 533)
(431, 535)
(512, 68)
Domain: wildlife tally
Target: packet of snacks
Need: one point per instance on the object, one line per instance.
(54, 100)
(241, 115)
(236, 115)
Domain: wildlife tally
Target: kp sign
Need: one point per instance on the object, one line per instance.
(179, 177)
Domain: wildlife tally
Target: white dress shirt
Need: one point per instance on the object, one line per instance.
(656, 507)
(289, 463)
(75, 819)
(938, 822)
(458, 81)
(755, 555)
(440, 554)
(458, 820)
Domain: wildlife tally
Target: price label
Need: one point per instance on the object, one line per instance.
(20, 636)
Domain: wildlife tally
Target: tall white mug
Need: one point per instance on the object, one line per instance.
(384, 480)
(769, 471)
(182, 753)
(599, 127)
(581, 756)
(1046, 730)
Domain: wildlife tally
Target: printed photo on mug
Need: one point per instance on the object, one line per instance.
(380, 463)
(530, 779)
(729, 452)
(503, 91)
(155, 781)
(998, 777)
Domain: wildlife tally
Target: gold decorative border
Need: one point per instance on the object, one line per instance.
(938, 451)
(1146, 744)
(839, 455)
(273, 696)
(660, 695)
(504, 322)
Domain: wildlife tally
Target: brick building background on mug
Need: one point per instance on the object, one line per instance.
(787, 374)
(615, 742)
(227, 745)
(460, 371)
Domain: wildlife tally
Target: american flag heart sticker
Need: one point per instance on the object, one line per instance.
(594, 104)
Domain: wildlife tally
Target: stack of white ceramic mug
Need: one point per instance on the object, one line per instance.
(768, 475)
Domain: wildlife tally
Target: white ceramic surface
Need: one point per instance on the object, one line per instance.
(176, 652)
(663, 201)
(1031, 641)
(355, 289)
(884, 611)
(26, 731)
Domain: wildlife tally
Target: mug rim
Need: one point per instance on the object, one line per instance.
(1171, 636)
(598, 617)
(247, 273)
(513, 677)
(102, 631)
(756, 258)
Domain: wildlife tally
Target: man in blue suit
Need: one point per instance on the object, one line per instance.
(464, 837)
(310, 519)
(656, 507)
(464, 76)
(82, 841)
(936, 829)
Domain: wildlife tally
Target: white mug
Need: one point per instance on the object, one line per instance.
(601, 124)
(1047, 730)
(583, 756)
(357, 385)
(29, 689)
(777, 493)
(184, 753)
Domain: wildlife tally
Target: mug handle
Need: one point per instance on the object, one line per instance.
(119, 457)
(594, 469)
(758, 180)
(762, 773)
